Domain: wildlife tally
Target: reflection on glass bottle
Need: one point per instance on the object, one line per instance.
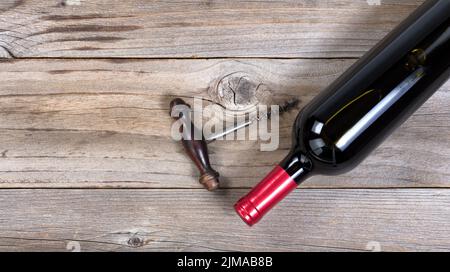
(335, 128)
(348, 120)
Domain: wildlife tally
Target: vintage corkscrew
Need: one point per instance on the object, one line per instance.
(197, 149)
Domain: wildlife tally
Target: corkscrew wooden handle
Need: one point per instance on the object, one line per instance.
(196, 149)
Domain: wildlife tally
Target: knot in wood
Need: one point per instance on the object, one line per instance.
(239, 91)
(135, 241)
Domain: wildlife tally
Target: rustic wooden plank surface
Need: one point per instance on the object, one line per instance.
(173, 29)
(72, 127)
(155, 220)
(97, 123)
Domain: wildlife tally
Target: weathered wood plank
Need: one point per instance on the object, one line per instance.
(174, 29)
(105, 123)
(156, 220)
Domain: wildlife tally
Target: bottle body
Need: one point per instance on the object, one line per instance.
(348, 120)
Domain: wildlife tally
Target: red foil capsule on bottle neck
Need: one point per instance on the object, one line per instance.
(271, 190)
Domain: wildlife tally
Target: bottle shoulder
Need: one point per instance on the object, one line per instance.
(313, 138)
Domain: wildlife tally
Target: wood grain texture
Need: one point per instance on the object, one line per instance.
(86, 157)
(156, 220)
(211, 28)
(105, 123)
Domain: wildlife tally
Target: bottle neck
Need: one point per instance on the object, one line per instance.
(282, 180)
(298, 166)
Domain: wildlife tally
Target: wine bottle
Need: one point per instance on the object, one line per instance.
(339, 128)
